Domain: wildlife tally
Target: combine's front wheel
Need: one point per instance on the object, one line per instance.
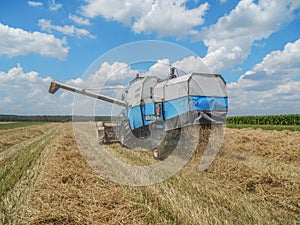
(155, 153)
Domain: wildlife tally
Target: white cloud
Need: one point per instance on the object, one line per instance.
(111, 74)
(282, 63)
(272, 86)
(27, 93)
(237, 70)
(53, 6)
(192, 64)
(229, 41)
(166, 18)
(118, 10)
(160, 69)
(120, 73)
(80, 20)
(35, 4)
(6, 100)
(15, 42)
(67, 29)
(109, 80)
(171, 18)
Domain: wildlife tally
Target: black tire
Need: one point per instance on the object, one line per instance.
(104, 141)
(167, 146)
(125, 134)
(155, 153)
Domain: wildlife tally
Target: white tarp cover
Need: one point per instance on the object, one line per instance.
(207, 85)
(159, 91)
(176, 88)
(195, 84)
(192, 84)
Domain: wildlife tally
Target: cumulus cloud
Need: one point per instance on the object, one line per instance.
(53, 6)
(121, 72)
(80, 20)
(6, 100)
(111, 74)
(192, 64)
(171, 18)
(160, 68)
(34, 4)
(270, 87)
(229, 41)
(27, 93)
(166, 18)
(272, 84)
(15, 42)
(109, 79)
(46, 25)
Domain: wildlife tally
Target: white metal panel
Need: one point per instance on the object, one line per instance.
(135, 93)
(207, 85)
(177, 88)
(159, 91)
(149, 82)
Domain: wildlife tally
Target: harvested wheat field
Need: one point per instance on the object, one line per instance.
(255, 179)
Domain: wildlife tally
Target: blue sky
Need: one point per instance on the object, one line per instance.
(255, 45)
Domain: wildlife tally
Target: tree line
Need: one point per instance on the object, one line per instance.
(51, 118)
(291, 119)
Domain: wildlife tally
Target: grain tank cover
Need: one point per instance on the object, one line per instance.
(195, 98)
(207, 85)
(195, 84)
(177, 88)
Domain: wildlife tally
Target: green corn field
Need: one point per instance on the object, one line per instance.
(292, 119)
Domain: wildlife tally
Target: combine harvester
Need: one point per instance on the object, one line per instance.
(156, 110)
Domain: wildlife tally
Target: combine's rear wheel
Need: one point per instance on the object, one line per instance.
(122, 136)
(167, 145)
(155, 153)
(125, 133)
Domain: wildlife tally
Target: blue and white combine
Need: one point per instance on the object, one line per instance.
(194, 98)
(155, 110)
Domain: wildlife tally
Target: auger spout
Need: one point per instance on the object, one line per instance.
(56, 85)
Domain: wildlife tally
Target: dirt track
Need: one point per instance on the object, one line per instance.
(254, 179)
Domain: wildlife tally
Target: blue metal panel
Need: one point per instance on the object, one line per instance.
(135, 117)
(148, 113)
(176, 107)
(202, 103)
(149, 109)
